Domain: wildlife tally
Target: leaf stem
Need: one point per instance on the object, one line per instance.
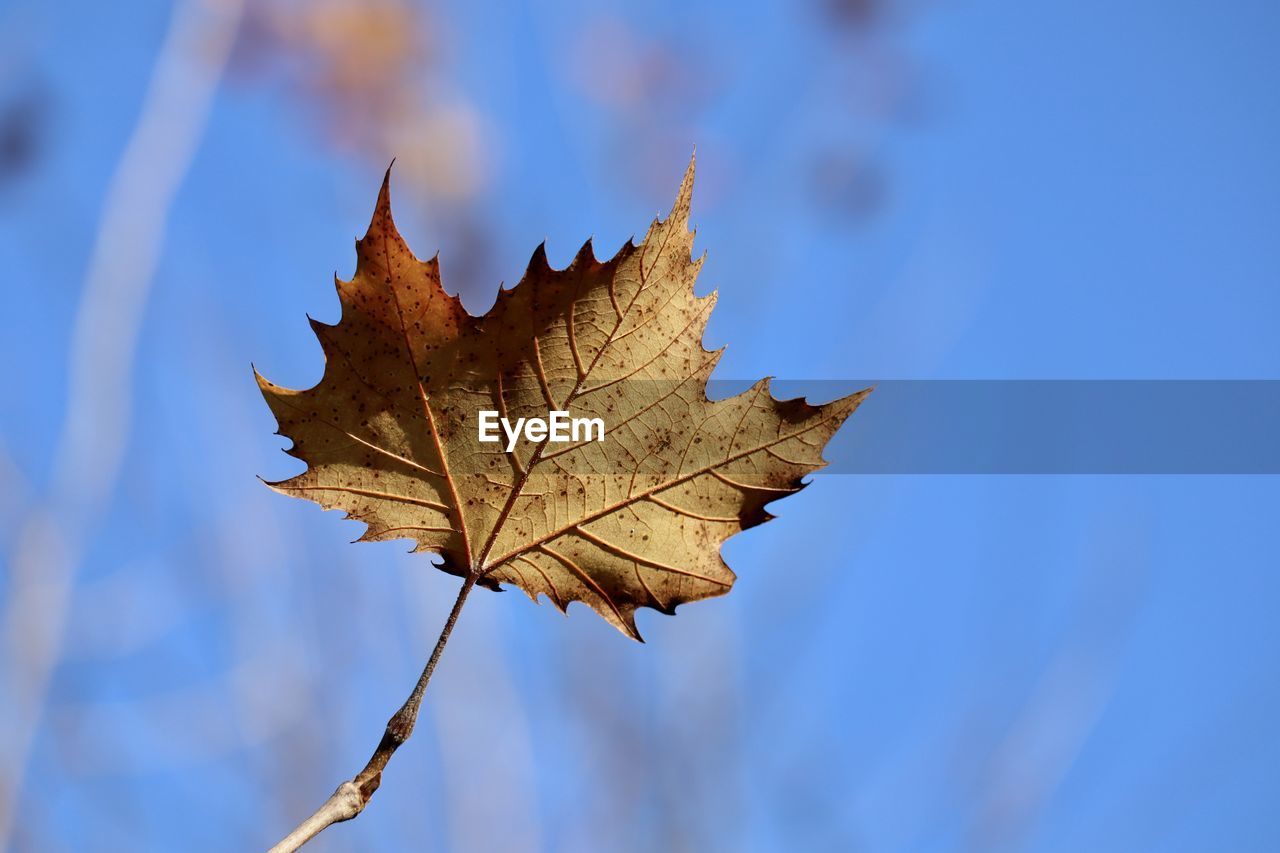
(353, 795)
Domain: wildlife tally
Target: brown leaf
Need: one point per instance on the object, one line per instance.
(636, 520)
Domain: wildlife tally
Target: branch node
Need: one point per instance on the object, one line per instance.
(400, 726)
(348, 801)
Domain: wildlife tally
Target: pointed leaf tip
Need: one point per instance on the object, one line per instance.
(384, 192)
(538, 262)
(684, 196)
(381, 222)
(586, 254)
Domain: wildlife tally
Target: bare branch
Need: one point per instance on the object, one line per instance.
(353, 795)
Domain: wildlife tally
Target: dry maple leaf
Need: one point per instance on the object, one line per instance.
(636, 520)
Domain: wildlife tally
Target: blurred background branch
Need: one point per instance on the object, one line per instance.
(51, 540)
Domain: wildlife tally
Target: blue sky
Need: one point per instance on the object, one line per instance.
(1067, 191)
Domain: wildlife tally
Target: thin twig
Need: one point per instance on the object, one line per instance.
(353, 795)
